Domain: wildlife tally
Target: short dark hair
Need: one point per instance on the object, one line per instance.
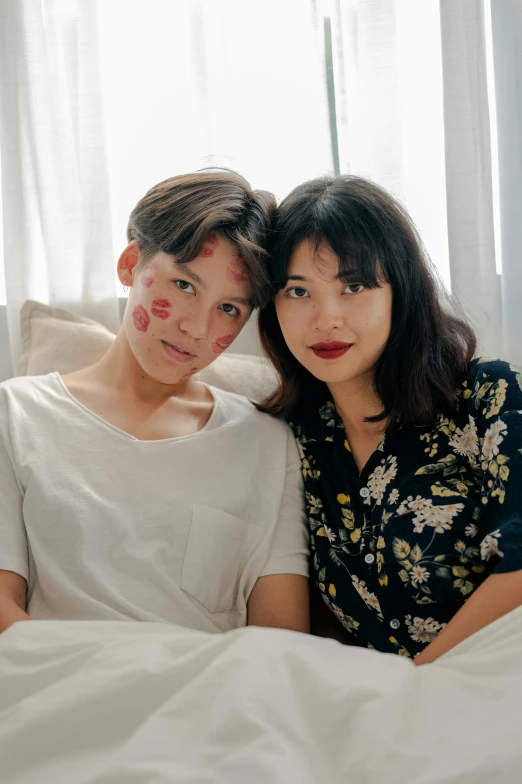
(177, 215)
(430, 344)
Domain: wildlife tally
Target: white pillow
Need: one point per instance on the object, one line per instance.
(57, 339)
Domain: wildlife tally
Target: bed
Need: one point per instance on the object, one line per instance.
(135, 703)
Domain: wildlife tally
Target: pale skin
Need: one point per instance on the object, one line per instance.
(314, 307)
(145, 387)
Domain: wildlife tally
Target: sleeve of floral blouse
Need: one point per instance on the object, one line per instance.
(495, 398)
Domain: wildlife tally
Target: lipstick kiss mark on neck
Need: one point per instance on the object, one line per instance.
(140, 318)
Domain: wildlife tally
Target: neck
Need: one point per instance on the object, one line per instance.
(119, 370)
(354, 401)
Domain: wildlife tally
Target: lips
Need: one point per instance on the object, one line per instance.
(177, 352)
(331, 350)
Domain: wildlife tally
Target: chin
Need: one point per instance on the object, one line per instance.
(334, 375)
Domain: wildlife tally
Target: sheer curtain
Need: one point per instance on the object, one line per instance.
(280, 90)
(506, 24)
(387, 75)
(417, 111)
(55, 199)
(484, 180)
(211, 82)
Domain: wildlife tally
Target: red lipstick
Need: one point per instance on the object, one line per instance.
(331, 350)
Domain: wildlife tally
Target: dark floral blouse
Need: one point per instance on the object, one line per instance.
(397, 549)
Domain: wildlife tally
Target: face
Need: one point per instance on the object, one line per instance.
(180, 317)
(336, 331)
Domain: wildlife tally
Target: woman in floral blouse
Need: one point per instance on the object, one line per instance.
(411, 449)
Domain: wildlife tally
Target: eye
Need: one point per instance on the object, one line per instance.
(184, 285)
(354, 288)
(231, 310)
(296, 292)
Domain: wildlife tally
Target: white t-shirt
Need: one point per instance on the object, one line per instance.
(105, 526)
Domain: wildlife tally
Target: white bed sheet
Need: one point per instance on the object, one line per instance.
(135, 703)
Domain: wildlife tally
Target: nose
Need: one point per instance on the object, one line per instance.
(327, 315)
(197, 325)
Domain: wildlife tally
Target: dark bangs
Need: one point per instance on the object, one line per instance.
(430, 345)
(315, 217)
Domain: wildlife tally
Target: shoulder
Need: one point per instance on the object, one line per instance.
(238, 411)
(492, 369)
(491, 388)
(23, 398)
(27, 386)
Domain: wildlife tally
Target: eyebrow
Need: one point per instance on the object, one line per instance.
(302, 278)
(184, 270)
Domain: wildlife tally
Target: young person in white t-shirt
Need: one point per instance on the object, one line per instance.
(131, 491)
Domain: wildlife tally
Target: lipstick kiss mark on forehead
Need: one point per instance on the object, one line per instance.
(140, 318)
(161, 308)
(210, 245)
(219, 345)
(238, 270)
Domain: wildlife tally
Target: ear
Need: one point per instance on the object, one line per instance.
(127, 263)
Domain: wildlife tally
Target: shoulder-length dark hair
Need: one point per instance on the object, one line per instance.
(430, 345)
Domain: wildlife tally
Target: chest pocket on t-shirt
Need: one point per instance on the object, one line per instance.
(218, 548)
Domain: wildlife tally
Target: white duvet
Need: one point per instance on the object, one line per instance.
(135, 703)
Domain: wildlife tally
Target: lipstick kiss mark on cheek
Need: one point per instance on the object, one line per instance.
(161, 308)
(206, 253)
(219, 345)
(147, 281)
(140, 318)
(238, 270)
(212, 238)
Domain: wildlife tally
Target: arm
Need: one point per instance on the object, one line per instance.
(280, 601)
(14, 566)
(13, 589)
(279, 597)
(498, 595)
(495, 398)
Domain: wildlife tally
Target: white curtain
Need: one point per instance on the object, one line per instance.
(387, 71)
(196, 83)
(280, 90)
(55, 200)
(414, 110)
(469, 170)
(506, 20)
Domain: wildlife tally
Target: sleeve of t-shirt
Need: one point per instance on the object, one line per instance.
(496, 394)
(289, 547)
(13, 540)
